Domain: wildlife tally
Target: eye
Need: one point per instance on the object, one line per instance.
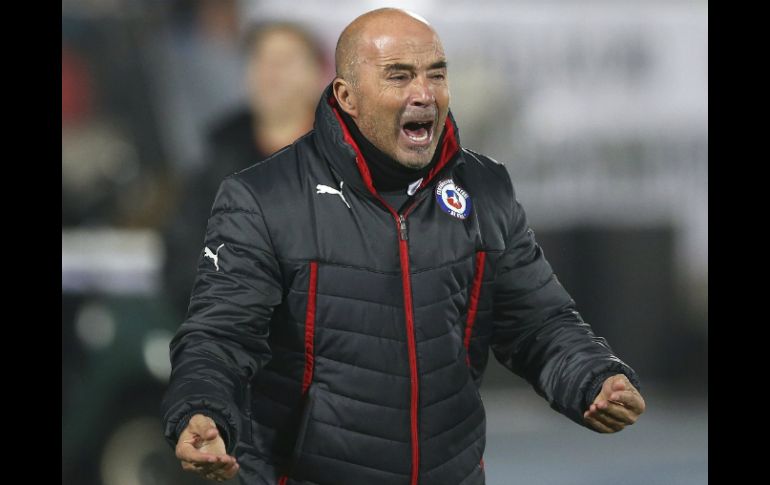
(398, 77)
(438, 76)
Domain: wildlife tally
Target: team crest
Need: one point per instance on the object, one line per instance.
(452, 199)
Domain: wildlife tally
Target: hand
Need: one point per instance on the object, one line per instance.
(201, 450)
(618, 405)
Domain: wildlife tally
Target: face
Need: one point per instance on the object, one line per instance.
(282, 75)
(401, 97)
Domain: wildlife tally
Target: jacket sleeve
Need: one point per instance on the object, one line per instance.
(223, 343)
(537, 332)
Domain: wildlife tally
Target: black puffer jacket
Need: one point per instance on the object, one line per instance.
(336, 341)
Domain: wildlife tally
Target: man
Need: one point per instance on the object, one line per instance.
(284, 74)
(353, 283)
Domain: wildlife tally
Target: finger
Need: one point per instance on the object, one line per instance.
(609, 421)
(598, 426)
(599, 407)
(187, 452)
(194, 468)
(630, 399)
(224, 473)
(200, 469)
(210, 461)
(221, 461)
(219, 456)
(230, 471)
(617, 411)
(207, 468)
(210, 470)
(606, 419)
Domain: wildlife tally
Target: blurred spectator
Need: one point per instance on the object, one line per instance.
(284, 60)
(75, 87)
(197, 71)
(99, 161)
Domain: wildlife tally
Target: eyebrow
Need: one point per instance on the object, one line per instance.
(438, 65)
(398, 66)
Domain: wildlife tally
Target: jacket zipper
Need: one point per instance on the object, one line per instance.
(448, 150)
(402, 227)
(403, 251)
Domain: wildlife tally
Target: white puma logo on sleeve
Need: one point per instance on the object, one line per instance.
(214, 256)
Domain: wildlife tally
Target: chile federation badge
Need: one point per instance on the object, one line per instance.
(452, 199)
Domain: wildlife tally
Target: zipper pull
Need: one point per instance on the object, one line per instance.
(402, 227)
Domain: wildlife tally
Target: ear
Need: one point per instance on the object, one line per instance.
(346, 96)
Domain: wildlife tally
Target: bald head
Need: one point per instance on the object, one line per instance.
(392, 81)
(357, 38)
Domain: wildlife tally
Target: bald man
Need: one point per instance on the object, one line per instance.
(351, 285)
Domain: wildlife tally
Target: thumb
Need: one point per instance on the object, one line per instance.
(210, 433)
(203, 425)
(610, 385)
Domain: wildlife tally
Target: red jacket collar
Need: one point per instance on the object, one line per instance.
(329, 124)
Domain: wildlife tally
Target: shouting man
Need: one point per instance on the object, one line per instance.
(362, 274)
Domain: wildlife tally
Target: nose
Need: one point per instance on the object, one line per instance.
(421, 92)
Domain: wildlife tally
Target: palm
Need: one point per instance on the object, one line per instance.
(201, 450)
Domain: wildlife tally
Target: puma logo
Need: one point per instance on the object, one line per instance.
(325, 189)
(214, 256)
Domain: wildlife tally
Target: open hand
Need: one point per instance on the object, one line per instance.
(201, 450)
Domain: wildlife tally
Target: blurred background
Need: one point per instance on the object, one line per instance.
(599, 110)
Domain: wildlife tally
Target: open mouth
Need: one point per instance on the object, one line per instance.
(418, 132)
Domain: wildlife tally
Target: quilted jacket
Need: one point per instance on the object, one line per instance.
(336, 340)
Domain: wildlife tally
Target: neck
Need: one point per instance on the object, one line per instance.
(387, 173)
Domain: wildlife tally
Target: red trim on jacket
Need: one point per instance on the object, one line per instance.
(307, 376)
(362, 167)
(474, 302)
(448, 150)
(310, 326)
(414, 378)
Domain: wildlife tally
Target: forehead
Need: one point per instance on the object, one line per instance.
(415, 46)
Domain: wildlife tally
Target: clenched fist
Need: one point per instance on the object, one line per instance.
(201, 450)
(617, 405)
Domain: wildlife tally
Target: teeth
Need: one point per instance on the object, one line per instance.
(418, 138)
